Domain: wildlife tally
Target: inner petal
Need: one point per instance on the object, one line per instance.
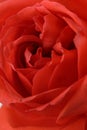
(16, 49)
(66, 38)
(51, 29)
(36, 60)
(65, 73)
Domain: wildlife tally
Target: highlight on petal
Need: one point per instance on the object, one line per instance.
(1, 105)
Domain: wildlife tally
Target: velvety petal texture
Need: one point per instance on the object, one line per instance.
(43, 68)
(5, 125)
(77, 6)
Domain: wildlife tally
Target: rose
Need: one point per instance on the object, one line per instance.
(60, 102)
(42, 65)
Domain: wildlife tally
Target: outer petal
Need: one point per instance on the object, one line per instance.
(77, 6)
(57, 112)
(4, 125)
(23, 23)
(7, 93)
(10, 7)
(77, 104)
(15, 82)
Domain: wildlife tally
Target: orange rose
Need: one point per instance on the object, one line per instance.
(43, 66)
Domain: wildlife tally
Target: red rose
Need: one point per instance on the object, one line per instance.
(43, 66)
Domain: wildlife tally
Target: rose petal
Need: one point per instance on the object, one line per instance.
(19, 30)
(80, 43)
(61, 11)
(3, 120)
(58, 106)
(77, 105)
(79, 9)
(23, 18)
(7, 92)
(36, 56)
(37, 60)
(66, 38)
(42, 98)
(15, 82)
(41, 62)
(66, 72)
(77, 25)
(39, 21)
(79, 124)
(38, 84)
(14, 51)
(28, 73)
(7, 8)
(51, 29)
